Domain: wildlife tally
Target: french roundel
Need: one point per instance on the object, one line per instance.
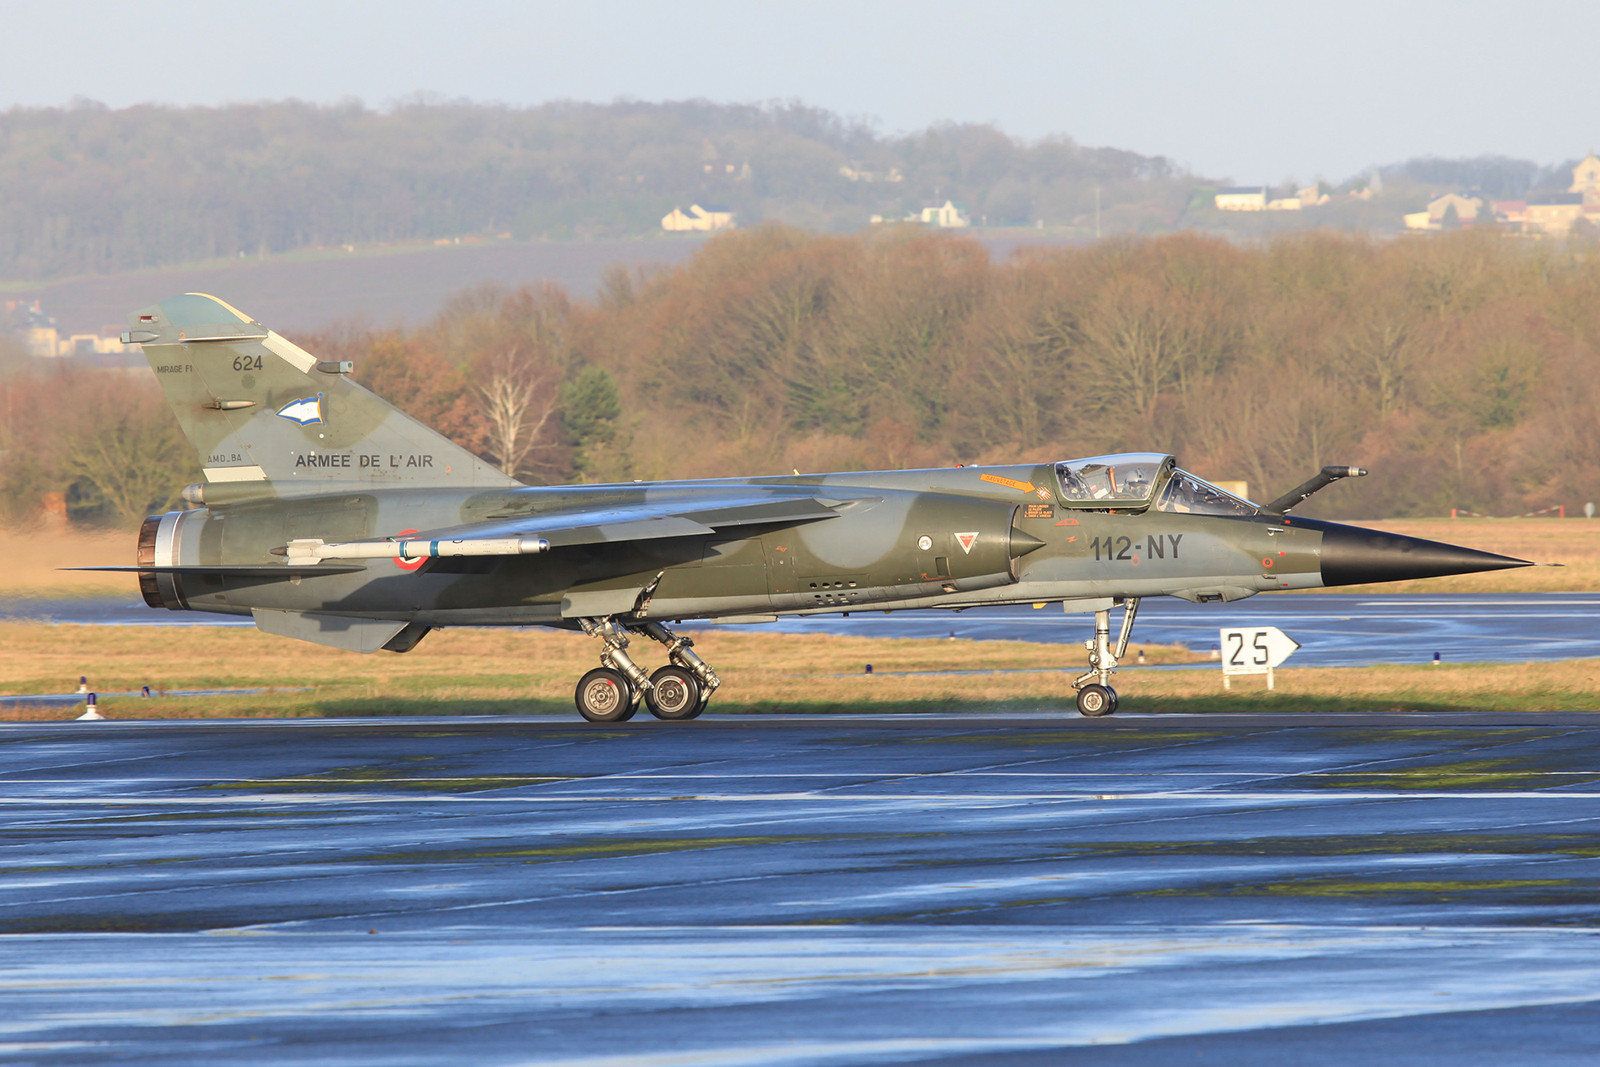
(406, 563)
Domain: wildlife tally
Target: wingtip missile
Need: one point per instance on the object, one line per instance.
(314, 549)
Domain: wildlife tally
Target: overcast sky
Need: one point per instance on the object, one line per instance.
(1249, 90)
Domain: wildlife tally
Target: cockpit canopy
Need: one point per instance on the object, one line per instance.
(1128, 480)
(1195, 496)
(1132, 481)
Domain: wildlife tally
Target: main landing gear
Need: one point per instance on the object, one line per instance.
(1095, 695)
(612, 692)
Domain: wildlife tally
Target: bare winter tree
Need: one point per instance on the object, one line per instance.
(518, 402)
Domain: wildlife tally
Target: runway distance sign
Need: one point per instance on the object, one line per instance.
(1254, 650)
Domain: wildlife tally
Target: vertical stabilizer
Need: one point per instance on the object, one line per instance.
(257, 407)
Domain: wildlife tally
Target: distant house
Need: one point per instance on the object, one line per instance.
(34, 328)
(1512, 212)
(1284, 203)
(1542, 213)
(948, 217)
(1242, 198)
(1311, 196)
(42, 341)
(91, 344)
(857, 172)
(46, 342)
(738, 174)
(1586, 180)
(697, 218)
(1553, 213)
(1466, 208)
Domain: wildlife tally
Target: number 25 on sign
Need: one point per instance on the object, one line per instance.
(1254, 650)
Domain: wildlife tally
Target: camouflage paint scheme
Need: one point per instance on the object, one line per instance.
(294, 450)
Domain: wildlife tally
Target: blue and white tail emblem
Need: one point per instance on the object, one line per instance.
(305, 411)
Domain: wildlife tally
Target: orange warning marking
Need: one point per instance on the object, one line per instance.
(1009, 483)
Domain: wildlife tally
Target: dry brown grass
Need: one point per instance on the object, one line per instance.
(468, 665)
(33, 558)
(531, 672)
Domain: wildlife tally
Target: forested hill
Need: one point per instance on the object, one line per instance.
(88, 189)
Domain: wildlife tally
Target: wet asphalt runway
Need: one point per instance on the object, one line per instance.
(1334, 629)
(1403, 889)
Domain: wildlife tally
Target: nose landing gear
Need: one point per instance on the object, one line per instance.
(1095, 695)
(613, 691)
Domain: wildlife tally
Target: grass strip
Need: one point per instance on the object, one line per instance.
(533, 671)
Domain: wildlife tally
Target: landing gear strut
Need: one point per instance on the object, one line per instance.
(612, 692)
(1095, 695)
(682, 690)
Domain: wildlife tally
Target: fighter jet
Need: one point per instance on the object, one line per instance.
(329, 516)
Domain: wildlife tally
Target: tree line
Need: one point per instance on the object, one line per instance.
(88, 189)
(1462, 369)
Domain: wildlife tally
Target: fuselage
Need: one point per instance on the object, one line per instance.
(940, 538)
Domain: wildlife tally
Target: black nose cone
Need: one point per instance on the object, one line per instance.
(1352, 555)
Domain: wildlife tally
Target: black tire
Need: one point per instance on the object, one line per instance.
(604, 695)
(705, 698)
(1097, 700)
(674, 694)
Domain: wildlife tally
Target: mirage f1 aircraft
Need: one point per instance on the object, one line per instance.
(329, 516)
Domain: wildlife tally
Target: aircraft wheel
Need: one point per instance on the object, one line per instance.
(674, 694)
(604, 695)
(1097, 700)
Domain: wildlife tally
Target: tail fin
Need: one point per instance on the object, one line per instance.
(257, 407)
